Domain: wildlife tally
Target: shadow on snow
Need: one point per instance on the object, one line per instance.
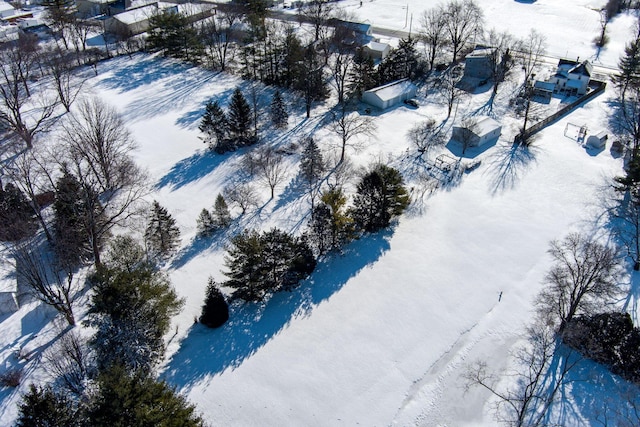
(207, 352)
(191, 169)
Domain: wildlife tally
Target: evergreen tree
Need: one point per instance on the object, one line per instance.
(215, 311)
(72, 220)
(17, 217)
(401, 63)
(162, 234)
(363, 75)
(629, 66)
(310, 81)
(205, 223)
(380, 196)
(312, 166)
(133, 399)
(279, 115)
(43, 407)
(258, 264)
(239, 118)
(131, 310)
(221, 215)
(215, 126)
(172, 33)
(330, 227)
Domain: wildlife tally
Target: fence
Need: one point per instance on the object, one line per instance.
(562, 112)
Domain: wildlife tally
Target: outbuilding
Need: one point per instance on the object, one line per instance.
(390, 94)
(598, 140)
(376, 50)
(477, 132)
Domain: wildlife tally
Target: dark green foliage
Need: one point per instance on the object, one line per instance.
(17, 217)
(128, 399)
(380, 197)
(262, 263)
(311, 81)
(131, 309)
(220, 214)
(607, 338)
(205, 223)
(215, 126)
(401, 63)
(312, 166)
(43, 407)
(239, 119)
(172, 33)
(631, 179)
(279, 115)
(215, 311)
(162, 235)
(73, 217)
(330, 227)
(629, 66)
(363, 75)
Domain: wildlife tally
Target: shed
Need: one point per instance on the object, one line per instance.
(598, 140)
(377, 50)
(481, 131)
(390, 94)
(479, 63)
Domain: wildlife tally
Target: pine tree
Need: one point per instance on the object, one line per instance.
(162, 234)
(43, 407)
(17, 217)
(205, 223)
(279, 115)
(72, 219)
(401, 63)
(172, 33)
(258, 264)
(312, 165)
(215, 126)
(629, 66)
(128, 398)
(380, 196)
(239, 118)
(215, 311)
(221, 215)
(363, 74)
(131, 310)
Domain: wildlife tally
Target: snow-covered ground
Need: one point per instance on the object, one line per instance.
(381, 334)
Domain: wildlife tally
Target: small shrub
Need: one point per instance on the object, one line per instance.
(11, 378)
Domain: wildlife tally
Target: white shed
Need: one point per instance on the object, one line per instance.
(377, 50)
(598, 140)
(478, 132)
(390, 94)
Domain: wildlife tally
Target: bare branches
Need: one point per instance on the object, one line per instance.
(349, 125)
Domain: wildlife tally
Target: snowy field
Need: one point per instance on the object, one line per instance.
(381, 334)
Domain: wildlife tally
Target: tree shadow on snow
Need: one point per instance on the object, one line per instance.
(142, 69)
(207, 352)
(507, 163)
(191, 169)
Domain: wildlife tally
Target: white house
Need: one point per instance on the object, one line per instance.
(390, 94)
(376, 50)
(478, 132)
(572, 77)
(136, 21)
(479, 63)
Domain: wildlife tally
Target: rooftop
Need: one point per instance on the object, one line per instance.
(393, 89)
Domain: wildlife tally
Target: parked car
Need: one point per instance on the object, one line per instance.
(411, 102)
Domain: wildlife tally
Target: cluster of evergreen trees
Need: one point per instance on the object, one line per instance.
(231, 130)
(210, 221)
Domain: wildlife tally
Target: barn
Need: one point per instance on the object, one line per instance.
(390, 94)
(477, 132)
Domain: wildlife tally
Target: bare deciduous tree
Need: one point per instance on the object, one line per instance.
(267, 164)
(584, 277)
(432, 32)
(97, 140)
(69, 362)
(426, 136)
(449, 88)
(529, 52)
(463, 22)
(540, 371)
(348, 125)
(59, 67)
(317, 13)
(218, 36)
(46, 279)
(243, 195)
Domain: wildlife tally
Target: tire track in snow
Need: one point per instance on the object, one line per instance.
(421, 403)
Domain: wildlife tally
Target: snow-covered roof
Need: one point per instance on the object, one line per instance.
(481, 52)
(377, 46)
(393, 89)
(546, 86)
(145, 12)
(5, 7)
(485, 125)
